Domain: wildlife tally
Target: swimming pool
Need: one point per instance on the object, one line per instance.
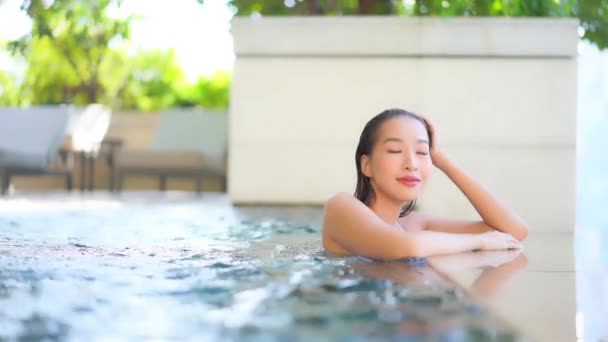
(175, 267)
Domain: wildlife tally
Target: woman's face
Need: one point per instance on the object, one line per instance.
(400, 163)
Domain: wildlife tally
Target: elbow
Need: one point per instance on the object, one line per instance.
(521, 233)
(413, 250)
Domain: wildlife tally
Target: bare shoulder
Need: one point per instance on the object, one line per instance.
(341, 211)
(341, 200)
(336, 206)
(343, 205)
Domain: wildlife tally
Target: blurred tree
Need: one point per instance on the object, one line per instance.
(209, 92)
(313, 7)
(593, 14)
(75, 53)
(9, 90)
(594, 19)
(147, 80)
(69, 39)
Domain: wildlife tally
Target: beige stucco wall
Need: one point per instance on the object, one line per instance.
(502, 92)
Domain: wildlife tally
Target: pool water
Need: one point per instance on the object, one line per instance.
(175, 267)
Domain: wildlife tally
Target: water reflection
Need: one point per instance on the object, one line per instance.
(497, 269)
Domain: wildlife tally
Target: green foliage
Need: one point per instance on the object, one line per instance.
(147, 81)
(74, 38)
(77, 54)
(9, 90)
(527, 8)
(593, 14)
(594, 19)
(209, 92)
(312, 7)
(49, 79)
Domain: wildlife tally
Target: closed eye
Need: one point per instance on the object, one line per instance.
(420, 153)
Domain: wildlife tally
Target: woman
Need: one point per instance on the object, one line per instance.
(396, 153)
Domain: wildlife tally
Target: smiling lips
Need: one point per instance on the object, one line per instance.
(410, 181)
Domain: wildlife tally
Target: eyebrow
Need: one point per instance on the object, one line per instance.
(424, 141)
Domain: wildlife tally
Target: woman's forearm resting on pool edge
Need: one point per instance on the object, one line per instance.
(399, 244)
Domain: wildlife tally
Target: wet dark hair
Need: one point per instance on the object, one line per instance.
(364, 191)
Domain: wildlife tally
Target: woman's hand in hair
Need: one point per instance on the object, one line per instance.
(495, 214)
(437, 155)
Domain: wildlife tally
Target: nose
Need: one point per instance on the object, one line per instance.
(409, 162)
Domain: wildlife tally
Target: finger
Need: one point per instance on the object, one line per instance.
(429, 123)
(514, 240)
(515, 245)
(424, 118)
(510, 238)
